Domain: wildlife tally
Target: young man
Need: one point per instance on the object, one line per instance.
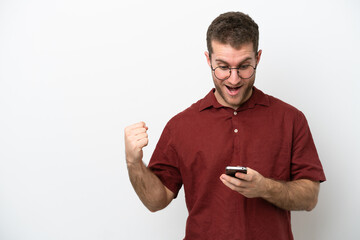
(234, 125)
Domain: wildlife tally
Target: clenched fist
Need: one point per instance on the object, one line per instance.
(136, 138)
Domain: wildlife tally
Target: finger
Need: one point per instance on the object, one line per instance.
(136, 125)
(227, 183)
(141, 136)
(138, 131)
(133, 130)
(143, 142)
(235, 187)
(250, 170)
(251, 174)
(231, 180)
(242, 176)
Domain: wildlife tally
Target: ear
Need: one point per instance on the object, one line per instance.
(208, 58)
(258, 56)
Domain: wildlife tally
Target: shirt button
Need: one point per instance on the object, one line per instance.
(235, 113)
(235, 130)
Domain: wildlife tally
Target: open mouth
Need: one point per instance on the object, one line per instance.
(233, 90)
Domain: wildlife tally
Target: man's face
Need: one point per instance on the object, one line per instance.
(233, 91)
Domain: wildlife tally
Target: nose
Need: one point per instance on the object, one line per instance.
(234, 78)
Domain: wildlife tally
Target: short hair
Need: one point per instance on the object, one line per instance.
(234, 28)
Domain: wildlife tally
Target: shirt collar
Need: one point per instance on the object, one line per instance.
(257, 98)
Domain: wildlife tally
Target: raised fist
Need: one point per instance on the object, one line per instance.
(136, 138)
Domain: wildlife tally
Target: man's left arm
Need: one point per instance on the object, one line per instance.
(299, 194)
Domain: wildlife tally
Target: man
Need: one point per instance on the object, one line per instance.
(235, 124)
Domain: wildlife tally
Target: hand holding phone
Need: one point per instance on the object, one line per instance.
(232, 170)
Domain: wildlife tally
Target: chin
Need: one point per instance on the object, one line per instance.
(235, 101)
(234, 105)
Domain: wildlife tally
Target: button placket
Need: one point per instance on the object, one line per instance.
(236, 129)
(236, 132)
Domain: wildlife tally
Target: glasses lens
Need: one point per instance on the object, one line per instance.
(246, 71)
(222, 73)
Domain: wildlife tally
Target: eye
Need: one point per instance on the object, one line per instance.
(244, 67)
(223, 68)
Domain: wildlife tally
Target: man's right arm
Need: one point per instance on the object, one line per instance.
(154, 195)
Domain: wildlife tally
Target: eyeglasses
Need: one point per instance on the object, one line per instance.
(224, 72)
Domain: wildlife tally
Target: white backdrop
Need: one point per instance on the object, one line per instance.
(75, 73)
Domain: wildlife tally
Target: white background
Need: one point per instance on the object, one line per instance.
(75, 73)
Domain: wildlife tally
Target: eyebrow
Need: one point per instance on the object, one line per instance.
(222, 61)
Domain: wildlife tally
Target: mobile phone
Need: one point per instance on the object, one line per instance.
(231, 170)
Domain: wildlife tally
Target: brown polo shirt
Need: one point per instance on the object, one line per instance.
(264, 134)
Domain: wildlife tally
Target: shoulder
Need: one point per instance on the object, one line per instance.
(186, 116)
(277, 110)
(281, 107)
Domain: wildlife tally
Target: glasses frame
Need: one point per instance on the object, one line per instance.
(238, 73)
